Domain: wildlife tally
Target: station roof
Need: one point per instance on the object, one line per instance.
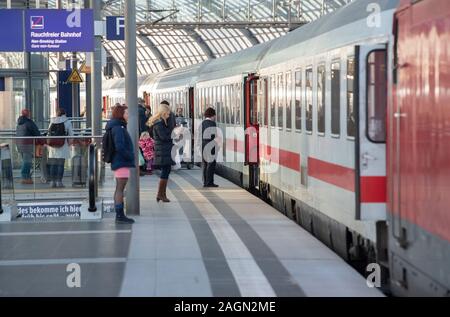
(178, 33)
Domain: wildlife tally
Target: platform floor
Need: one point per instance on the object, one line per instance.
(207, 242)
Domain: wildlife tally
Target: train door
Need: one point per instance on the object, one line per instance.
(251, 127)
(191, 118)
(370, 114)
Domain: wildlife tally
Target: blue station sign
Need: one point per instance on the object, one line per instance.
(115, 28)
(48, 30)
(11, 30)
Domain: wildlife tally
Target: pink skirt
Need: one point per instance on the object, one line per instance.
(123, 172)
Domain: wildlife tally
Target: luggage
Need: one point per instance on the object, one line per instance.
(79, 171)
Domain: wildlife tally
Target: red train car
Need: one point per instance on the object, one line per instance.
(419, 150)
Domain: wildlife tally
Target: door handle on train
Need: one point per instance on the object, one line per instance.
(365, 159)
(367, 156)
(399, 115)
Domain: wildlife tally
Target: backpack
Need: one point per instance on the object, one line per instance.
(56, 129)
(108, 147)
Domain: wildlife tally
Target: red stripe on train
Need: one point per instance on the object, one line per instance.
(373, 189)
(338, 175)
(285, 158)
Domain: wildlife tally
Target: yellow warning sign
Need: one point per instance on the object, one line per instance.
(85, 68)
(75, 77)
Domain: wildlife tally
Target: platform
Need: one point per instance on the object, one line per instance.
(207, 242)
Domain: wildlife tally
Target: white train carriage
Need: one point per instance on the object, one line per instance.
(302, 120)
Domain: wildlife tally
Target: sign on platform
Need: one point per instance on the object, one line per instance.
(75, 77)
(11, 30)
(49, 30)
(115, 28)
(49, 209)
(85, 69)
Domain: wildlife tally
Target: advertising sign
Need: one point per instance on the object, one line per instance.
(49, 209)
(11, 30)
(48, 30)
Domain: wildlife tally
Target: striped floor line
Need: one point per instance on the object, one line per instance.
(61, 261)
(43, 233)
(279, 277)
(221, 278)
(250, 279)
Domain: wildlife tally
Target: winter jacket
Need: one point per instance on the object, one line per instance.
(26, 128)
(62, 152)
(143, 118)
(124, 151)
(163, 144)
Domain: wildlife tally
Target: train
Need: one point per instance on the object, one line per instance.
(349, 120)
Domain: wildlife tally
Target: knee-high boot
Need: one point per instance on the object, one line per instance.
(162, 191)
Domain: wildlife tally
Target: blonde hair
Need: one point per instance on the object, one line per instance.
(157, 116)
(144, 134)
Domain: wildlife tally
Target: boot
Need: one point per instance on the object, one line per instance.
(120, 215)
(162, 191)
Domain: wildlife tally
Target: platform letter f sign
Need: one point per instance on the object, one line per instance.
(74, 278)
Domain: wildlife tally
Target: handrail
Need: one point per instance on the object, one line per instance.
(92, 168)
(55, 137)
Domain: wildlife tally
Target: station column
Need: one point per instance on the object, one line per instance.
(132, 199)
(96, 78)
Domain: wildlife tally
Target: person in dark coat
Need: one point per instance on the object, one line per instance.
(26, 128)
(143, 116)
(162, 135)
(209, 147)
(123, 158)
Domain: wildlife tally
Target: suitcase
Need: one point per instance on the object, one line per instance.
(79, 171)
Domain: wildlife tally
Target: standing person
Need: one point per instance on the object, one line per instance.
(146, 143)
(209, 156)
(143, 116)
(122, 158)
(26, 128)
(171, 121)
(162, 135)
(58, 149)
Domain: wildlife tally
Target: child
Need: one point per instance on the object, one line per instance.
(146, 144)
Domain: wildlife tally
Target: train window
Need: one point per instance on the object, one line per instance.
(281, 99)
(351, 122)
(321, 79)
(238, 103)
(254, 102)
(233, 104)
(265, 101)
(309, 99)
(298, 100)
(229, 103)
(288, 100)
(335, 98)
(376, 96)
(272, 100)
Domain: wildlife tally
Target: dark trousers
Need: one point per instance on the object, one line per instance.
(165, 171)
(56, 169)
(208, 172)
